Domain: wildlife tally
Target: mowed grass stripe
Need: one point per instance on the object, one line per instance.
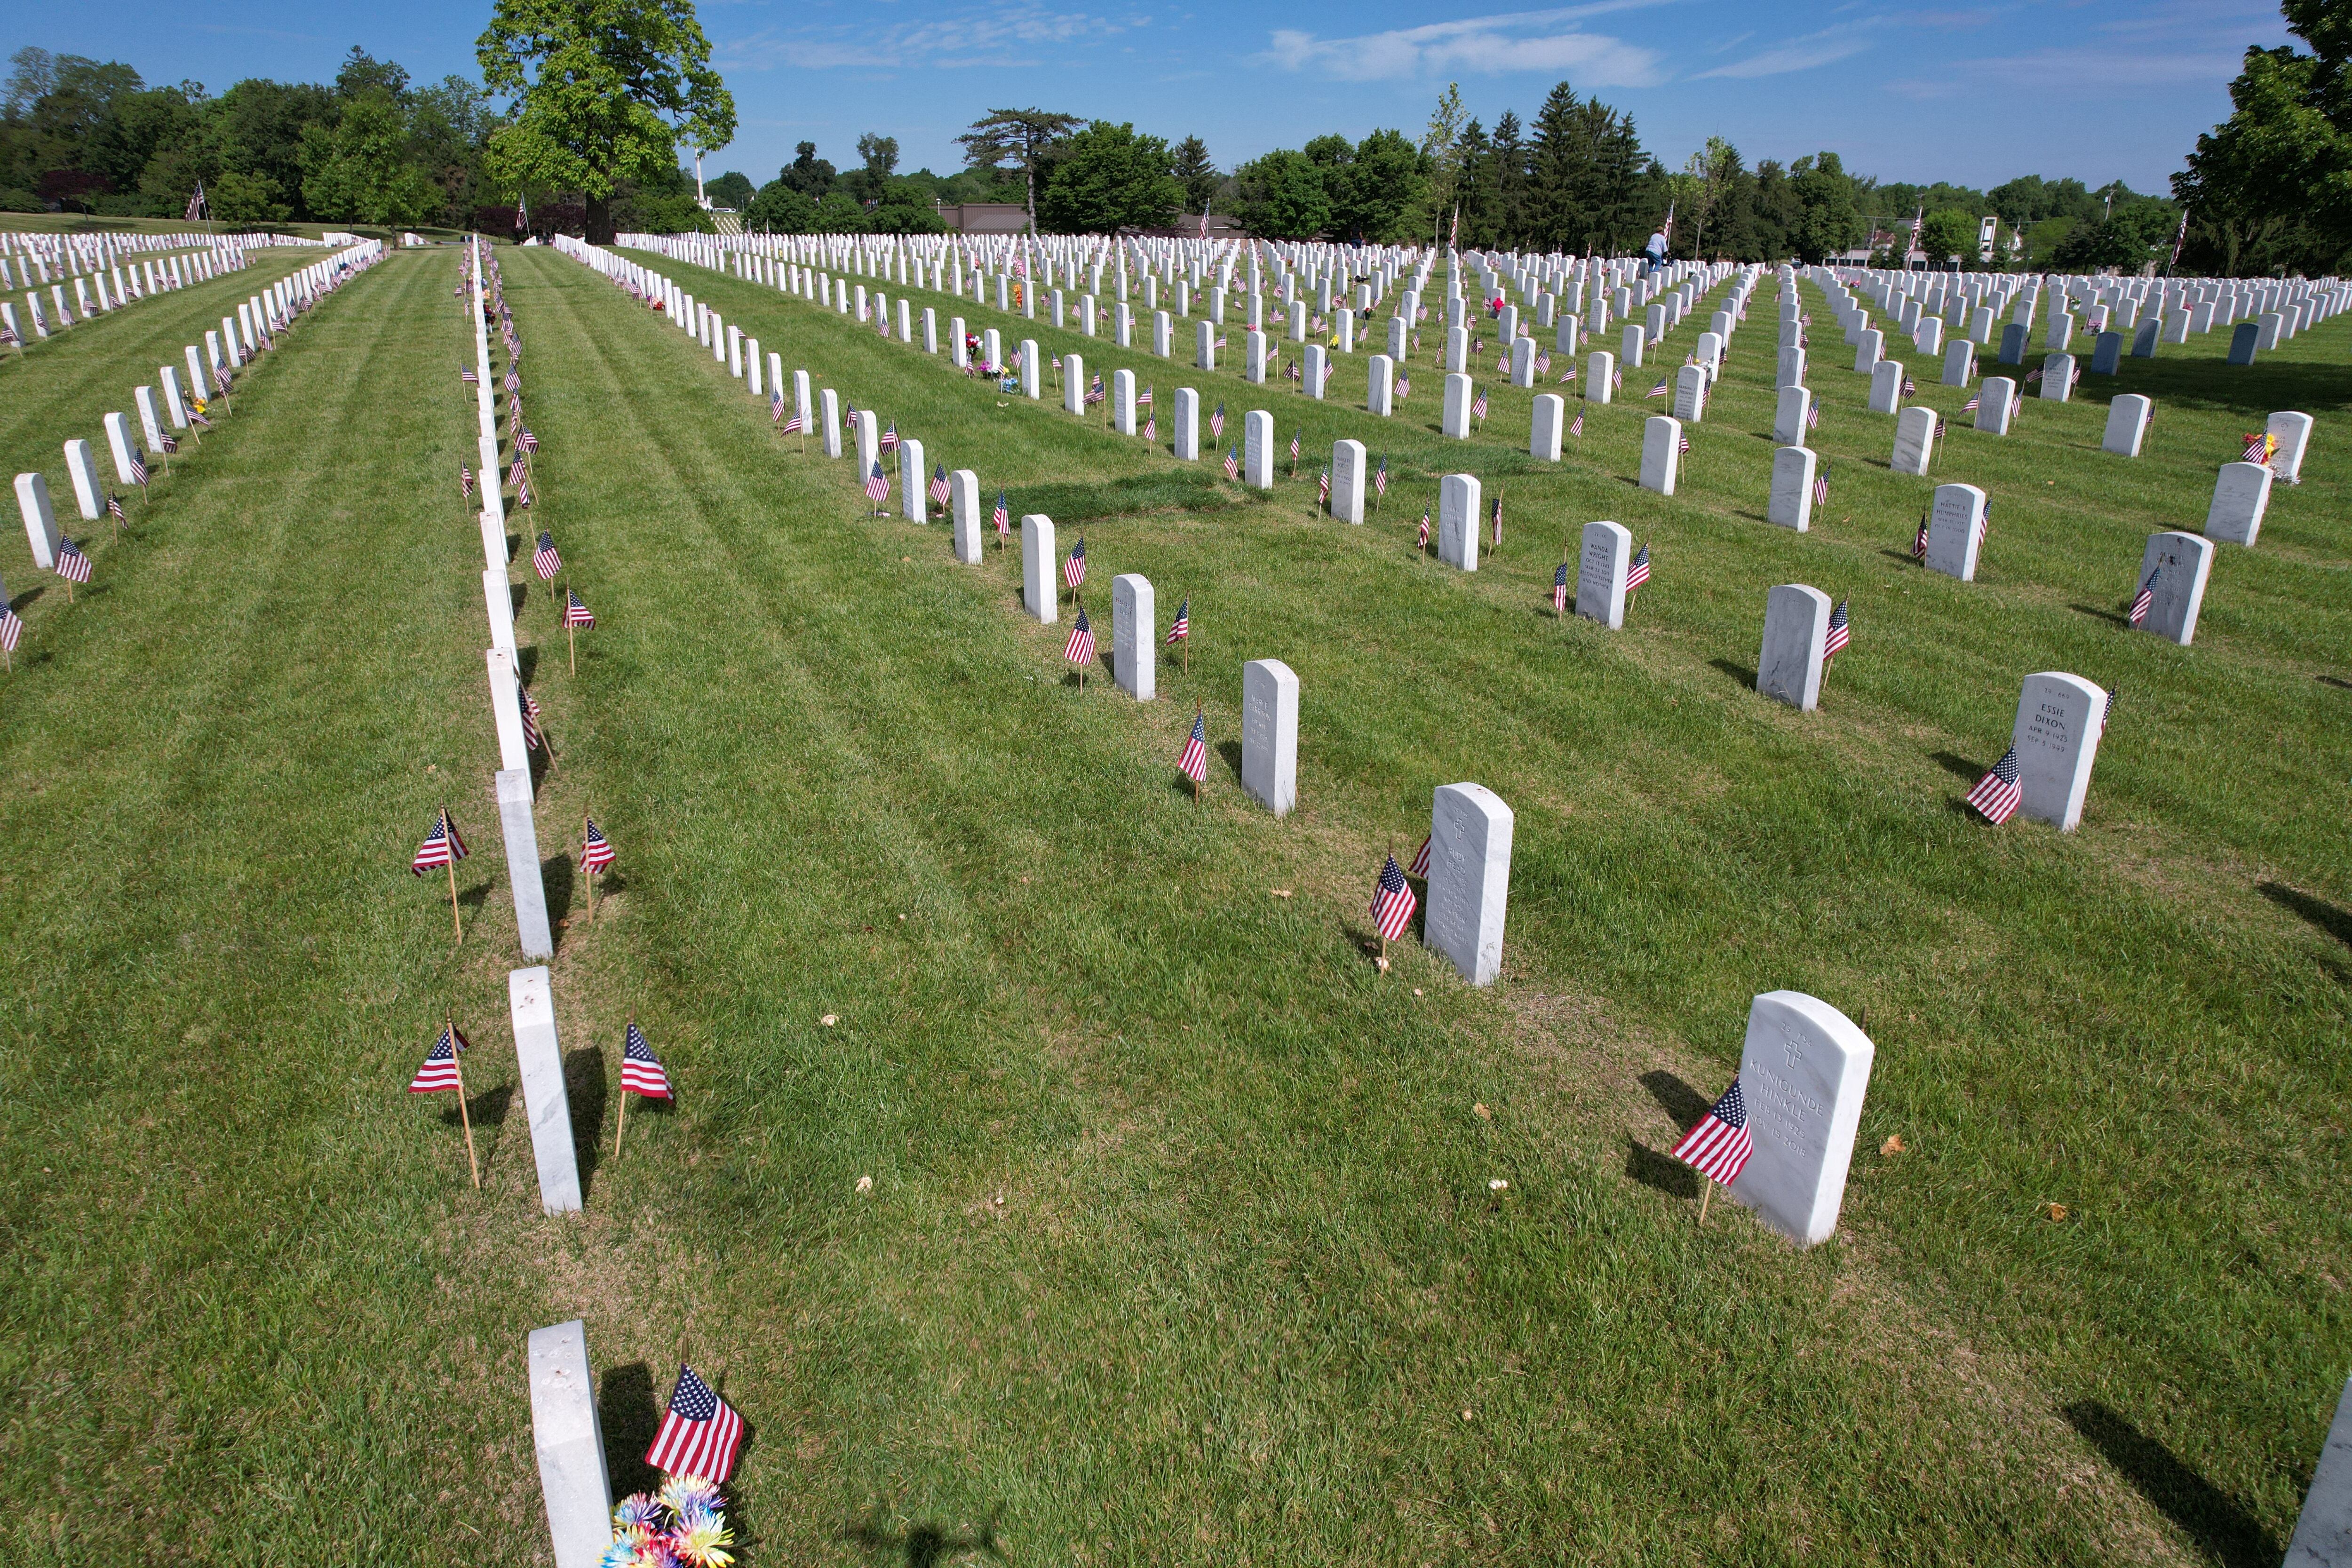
(2014, 864)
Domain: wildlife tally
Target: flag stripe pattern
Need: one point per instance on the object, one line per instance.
(597, 852)
(442, 847)
(699, 1432)
(1718, 1147)
(1074, 570)
(1184, 626)
(575, 613)
(2144, 600)
(545, 557)
(1559, 588)
(1997, 795)
(1393, 902)
(440, 1070)
(1839, 633)
(1420, 858)
(1194, 763)
(640, 1071)
(71, 564)
(1080, 648)
(1639, 573)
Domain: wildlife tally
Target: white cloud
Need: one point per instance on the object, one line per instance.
(1799, 54)
(1546, 41)
(1016, 37)
(2093, 69)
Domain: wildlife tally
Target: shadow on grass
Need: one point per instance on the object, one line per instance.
(555, 874)
(1171, 491)
(630, 1416)
(2335, 922)
(28, 598)
(1676, 1098)
(1744, 674)
(2216, 1522)
(1231, 750)
(1651, 1169)
(583, 1092)
(488, 1109)
(924, 1545)
(2097, 613)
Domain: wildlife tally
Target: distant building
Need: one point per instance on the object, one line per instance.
(985, 218)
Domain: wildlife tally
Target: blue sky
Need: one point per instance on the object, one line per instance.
(1973, 93)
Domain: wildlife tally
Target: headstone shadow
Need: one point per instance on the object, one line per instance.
(583, 1090)
(1744, 674)
(2335, 922)
(924, 1544)
(2218, 1522)
(1958, 766)
(555, 875)
(527, 663)
(1231, 750)
(630, 1414)
(28, 597)
(1651, 1169)
(1905, 556)
(2098, 613)
(1676, 1098)
(488, 1109)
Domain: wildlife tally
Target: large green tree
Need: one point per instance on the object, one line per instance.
(601, 91)
(2270, 189)
(359, 171)
(1283, 196)
(1109, 178)
(1025, 138)
(1191, 164)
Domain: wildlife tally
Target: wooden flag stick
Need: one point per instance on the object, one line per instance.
(465, 1117)
(585, 823)
(1705, 1195)
(570, 632)
(623, 1129)
(451, 866)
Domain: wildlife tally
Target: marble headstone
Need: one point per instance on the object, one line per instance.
(2182, 563)
(520, 837)
(1270, 735)
(1796, 622)
(1601, 566)
(2060, 718)
(2241, 494)
(1956, 531)
(570, 1442)
(1131, 637)
(1791, 505)
(539, 1057)
(1040, 583)
(1458, 498)
(1802, 1072)
(1469, 879)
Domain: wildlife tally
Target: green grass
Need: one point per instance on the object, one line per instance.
(1180, 1246)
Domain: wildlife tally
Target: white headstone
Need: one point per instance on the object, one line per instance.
(2323, 1535)
(538, 1059)
(1545, 425)
(1796, 623)
(1456, 419)
(1915, 440)
(914, 482)
(1866, 354)
(1270, 735)
(1662, 453)
(522, 840)
(1690, 394)
(1314, 370)
(1458, 496)
(2182, 563)
(2241, 494)
(1131, 640)
(1601, 566)
(1959, 362)
(89, 496)
(1995, 401)
(1379, 384)
(1887, 387)
(963, 501)
(150, 425)
(832, 400)
(2127, 424)
(1122, 403)
(1469, 879)
(40, 519)
(1631, 346)
(2060, 718)
(497, 598)
(1257, 449)
(1791, 505)
(1349, 476)
(505, 710)
(1803, 1073)
(570, 1441)
(2058, 378)
(1956, 531)
(2294, 433)
(1040, 587)
(1789, 415)
(1185, 424)
(1599, 378)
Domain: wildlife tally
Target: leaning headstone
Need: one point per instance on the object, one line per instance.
(2241, 494)
(1789, 416)
(2294, 433)
(1458, 496)
(2126, 425)
(2323, 1535)
(1803, 1073)
(2106, 354)
(2243, 341)
(1601, 569)
(2143, 338)
(2060, 718)
(1131, 629)
(1041, 592)
(1469, 879)
(1791, 504)
(1956, 531)
(1270, 735)
(1915, 440)
(2058, 378)
(1662, 453)
(1995, 401)
(1796, 622)
(539, 1061)
(571, 1444)
(2182, 563)
(40, 519)
(522, 840)
(1348, 480)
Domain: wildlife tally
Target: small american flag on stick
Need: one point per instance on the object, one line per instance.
(1478, 408)
(640, 1071)
(1195, 761)
(940, 484)
(1182, 628)
(1080, 649)
(878, 485)
(595, 850)
(2144, 600)
(1838, 636)
(1380, 476)
(576, 612)
(1217, 423)
(1996, 796)
(545, 558)
(699, 1433)
(1003, 516)
(71, 564)
(440, 1072)
(1419, 867)
(1718, 1147)
(1393, 902)
(465, 482)
(1232, 464)
(1559, 588)
(1074, 570)
(1639, 573)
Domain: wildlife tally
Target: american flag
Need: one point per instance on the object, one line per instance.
(1145, 400)
(442, 847)
(2258, 448)
(11, 628)
(1478, 409)
(699, 1433)
(516, 473)
(1232, 464)
(1217, 423)
(1184, 626)
(1997, 795)
(2144, 600)
(877, 488)
(170, 442)
(1576, 425)
(1419, 867)
(1543, 365)
(939, 483)
(1821, 489)
(545, 558)
(1152, 428)
(596, 851)
(890, 437)
(220, 378)
(1639, 573)
(71, 564)
(465, 482)
(1498, 521)
(137, 466)
(1003, 518)
(1393, 902)
(1659, 390)
(1910, 387)
(575, 611)
(1569, 377)
(1424, 527)
(1718, 1147)
(1681, 442)
(1559, 588)
(1074, 570)
(1294, 447)
(523, 491)
(529, 714)
(640, 1071)
(465, 373)
(776, 405)
(527, 441)
(1839, 635)
(114, 508)
(1971, 406)
(1812, 416)
(792, 426)
(1919, 539)
(1095, 393)
(1404, 386)
(1080, 648)
(1323, 497)
(1380, 479)
(440, 1070)
(1194, 763)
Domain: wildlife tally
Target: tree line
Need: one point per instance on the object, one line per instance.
(2270, 189)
